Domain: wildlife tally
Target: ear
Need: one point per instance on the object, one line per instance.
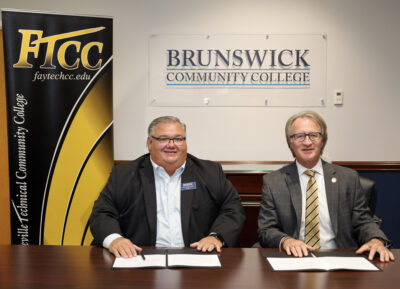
(291, 144)
(148, 142)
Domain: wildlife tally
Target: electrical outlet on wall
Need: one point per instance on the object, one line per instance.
(338, 97)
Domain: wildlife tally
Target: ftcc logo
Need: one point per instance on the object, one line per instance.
(32, 47)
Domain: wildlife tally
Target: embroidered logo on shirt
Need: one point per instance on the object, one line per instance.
(188, 186)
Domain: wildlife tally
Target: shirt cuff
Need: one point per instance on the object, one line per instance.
(109, 239)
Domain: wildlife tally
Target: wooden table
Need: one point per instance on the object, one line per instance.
(90, 267)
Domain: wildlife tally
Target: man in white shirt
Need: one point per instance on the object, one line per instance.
(311, 204)
(167, 198)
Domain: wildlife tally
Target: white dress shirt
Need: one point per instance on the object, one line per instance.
(326, 234)
(168, 192)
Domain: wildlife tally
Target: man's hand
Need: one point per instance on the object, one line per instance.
(122, 247)
(296, 247)
(376, 246)
(207, 244)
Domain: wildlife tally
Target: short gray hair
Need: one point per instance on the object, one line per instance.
(312, 115)
(164, 119)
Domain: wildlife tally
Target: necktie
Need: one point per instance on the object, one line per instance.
(312, 212)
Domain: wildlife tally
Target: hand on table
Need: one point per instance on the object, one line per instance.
(122, 247)
(296, 247)
(207, 244)
(376, 246)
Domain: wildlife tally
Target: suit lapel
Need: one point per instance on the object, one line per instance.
(186, 200)
(149, 192)
(293, 184)
(332, 193)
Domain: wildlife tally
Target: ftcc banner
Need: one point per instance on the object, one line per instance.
(59, 110)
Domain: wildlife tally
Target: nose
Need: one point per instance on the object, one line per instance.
(171, 143)
(307, 140)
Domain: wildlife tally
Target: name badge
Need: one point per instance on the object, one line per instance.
(188, 186)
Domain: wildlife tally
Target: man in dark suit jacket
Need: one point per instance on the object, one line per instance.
(343, 219)
(166, 198)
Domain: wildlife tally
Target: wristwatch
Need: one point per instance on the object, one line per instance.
(218, 237)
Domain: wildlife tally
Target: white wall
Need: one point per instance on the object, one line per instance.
(363, 60)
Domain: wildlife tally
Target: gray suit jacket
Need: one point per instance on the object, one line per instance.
(127, 205)
(280, 212)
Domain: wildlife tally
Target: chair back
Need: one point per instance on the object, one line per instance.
(370, 191)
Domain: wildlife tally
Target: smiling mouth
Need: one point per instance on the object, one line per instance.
(308, 150)
(170, 152)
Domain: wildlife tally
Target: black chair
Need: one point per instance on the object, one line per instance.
(371, 194)
(370, 191)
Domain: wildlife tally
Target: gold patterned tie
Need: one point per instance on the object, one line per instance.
(312, 212)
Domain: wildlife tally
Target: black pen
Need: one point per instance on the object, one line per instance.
(141, 254)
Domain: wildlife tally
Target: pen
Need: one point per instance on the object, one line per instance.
(141, 254)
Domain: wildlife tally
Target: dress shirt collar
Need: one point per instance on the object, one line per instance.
(317, 168)
(158, 169)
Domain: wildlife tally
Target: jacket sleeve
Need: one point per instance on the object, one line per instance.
(104, 218)
(231, 217)
(365, 226)
(269, 228)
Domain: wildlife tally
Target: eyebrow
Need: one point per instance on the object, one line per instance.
(179, 135)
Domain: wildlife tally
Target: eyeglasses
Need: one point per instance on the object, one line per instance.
(165, 140)
(300, 137)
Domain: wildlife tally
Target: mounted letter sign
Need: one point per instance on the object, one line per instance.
(237, 70)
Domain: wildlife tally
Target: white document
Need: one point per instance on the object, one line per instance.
(321, 263)
(174, 260)
(151, 260)
(193, 260)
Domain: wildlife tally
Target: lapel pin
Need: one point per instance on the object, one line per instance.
(334, 180)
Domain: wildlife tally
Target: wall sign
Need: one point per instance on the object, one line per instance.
(237, 70)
